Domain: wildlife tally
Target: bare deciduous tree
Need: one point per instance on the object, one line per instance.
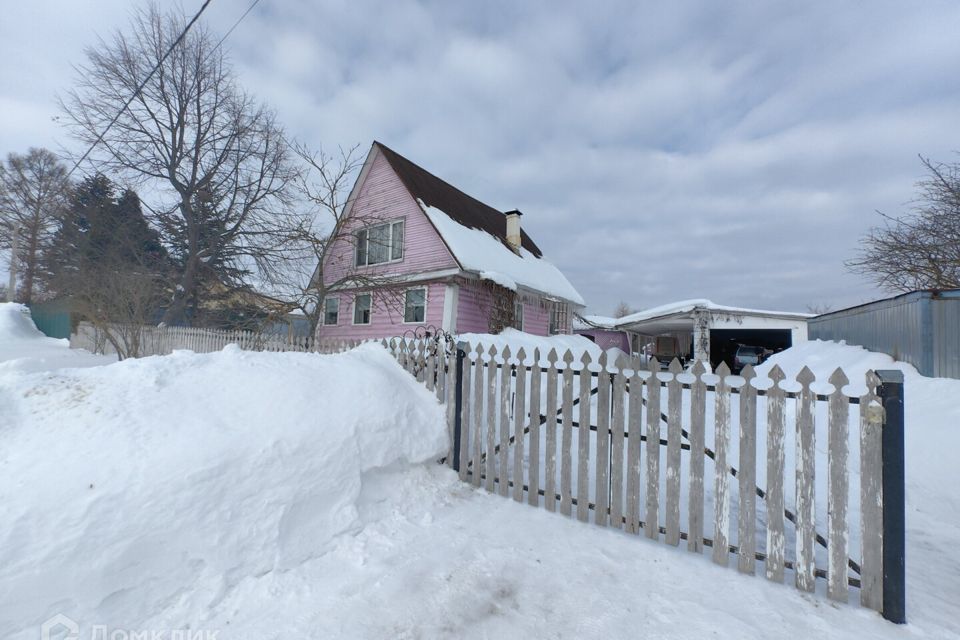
(213, 157)
(32, 194)
(326, 238)
(920, 250)
(622, 310)
(819, 308)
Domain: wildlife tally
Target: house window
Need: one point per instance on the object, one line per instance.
(380, 243)
(518, 315)
(415, 305)
(558, 318)
(361, 308)
(331, 310)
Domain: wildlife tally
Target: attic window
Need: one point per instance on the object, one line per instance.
(380, 243)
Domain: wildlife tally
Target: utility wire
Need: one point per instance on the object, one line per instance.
(239, 20)
(145, 80)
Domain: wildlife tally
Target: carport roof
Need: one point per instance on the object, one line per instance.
(679, 316)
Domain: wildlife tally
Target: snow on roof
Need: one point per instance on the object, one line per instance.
(595, 322)
(687, 306)
(478, 251)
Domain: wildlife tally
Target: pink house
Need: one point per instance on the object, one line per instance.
(417, 254)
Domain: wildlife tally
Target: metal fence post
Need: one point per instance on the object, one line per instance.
(894, 521)
(458, 405)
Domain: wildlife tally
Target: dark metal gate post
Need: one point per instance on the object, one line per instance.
(458, 405)
(894, 520)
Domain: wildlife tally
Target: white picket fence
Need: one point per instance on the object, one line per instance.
(731, 462)
(159, 341)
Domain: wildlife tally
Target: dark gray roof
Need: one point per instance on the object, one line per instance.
(464, 209)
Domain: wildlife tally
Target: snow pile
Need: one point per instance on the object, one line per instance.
(15, 323)
(143, 493)
(822, 357)
(576, 344)
(478, 251)
(24, 348)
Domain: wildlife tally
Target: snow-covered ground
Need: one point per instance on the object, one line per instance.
(295, 495)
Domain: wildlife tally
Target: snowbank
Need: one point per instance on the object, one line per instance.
(23, 348)
(154, 487)
(576, 344)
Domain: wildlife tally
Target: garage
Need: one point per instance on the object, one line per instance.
(724, 342)
(701, 329)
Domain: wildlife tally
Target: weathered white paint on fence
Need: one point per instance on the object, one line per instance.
(871, 496)
(616, 445)
(478, 422)
(635, 432)
(698, 394)
(776, 429)
(519, 424)
(601, 513)
(672, 511)
(465, 414)
(583, 440)
(490, 468)
(721, 490)
(448, 395)
(747, 474)
(550, 482)
(533, 482)
(503, 469)
(805, 512)
(837, 488)
(429, 371)
(652, 515)
(566, 440)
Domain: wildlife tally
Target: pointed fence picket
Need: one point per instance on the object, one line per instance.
(569, 432)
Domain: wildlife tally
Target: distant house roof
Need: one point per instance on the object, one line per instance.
(476, 234)
(464, 209)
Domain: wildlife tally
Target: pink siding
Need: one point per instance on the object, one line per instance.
(474, 304)
(386, 318)
(382, 197)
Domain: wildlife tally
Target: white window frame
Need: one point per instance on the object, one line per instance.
(329, 324)
(390, 224)
(353, 310)
(426, 297)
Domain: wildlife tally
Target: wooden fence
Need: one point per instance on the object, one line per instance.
(158, 341)
(726, 465)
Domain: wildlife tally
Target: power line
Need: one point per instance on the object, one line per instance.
(145, 80)
(239, 20)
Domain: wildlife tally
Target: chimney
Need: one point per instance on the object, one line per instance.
(513, 230)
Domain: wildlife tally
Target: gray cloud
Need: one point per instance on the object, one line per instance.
(734, 151)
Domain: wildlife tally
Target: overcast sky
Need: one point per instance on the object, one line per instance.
(734, 151)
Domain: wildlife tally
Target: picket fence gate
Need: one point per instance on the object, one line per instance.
(517, 429)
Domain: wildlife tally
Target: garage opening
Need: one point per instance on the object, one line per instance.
(724, 342)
